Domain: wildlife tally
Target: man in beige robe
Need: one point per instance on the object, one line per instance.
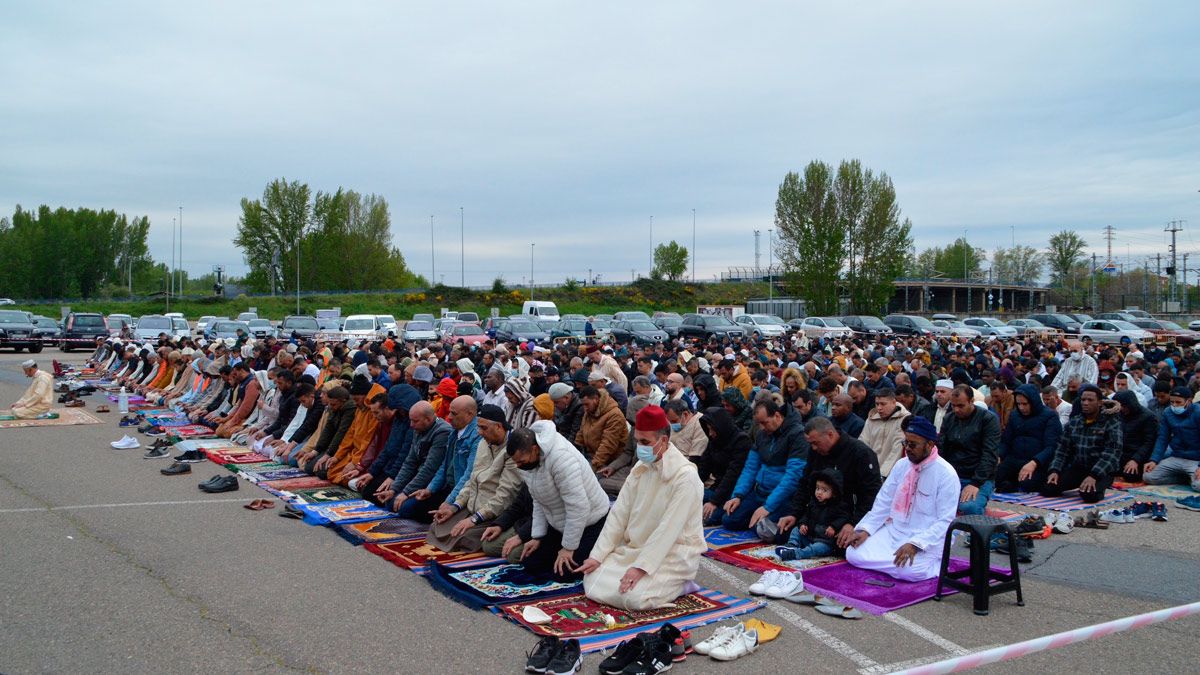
(649, 549)
(38, 397)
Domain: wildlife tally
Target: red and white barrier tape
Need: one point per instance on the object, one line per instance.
(1015, 651)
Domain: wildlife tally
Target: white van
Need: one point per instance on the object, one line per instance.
(540, 309)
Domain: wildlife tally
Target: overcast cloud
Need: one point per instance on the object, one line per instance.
(571, 126)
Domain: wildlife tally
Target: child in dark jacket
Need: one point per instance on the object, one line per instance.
(815, 534)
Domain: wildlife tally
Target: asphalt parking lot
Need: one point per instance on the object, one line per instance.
(107, 566)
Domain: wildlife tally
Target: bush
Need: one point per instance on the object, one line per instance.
(498, 286)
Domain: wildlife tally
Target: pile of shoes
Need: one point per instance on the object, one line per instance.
(1131, 514)
(733, 642)
(778, 584)
(650, 652)
(554, 657)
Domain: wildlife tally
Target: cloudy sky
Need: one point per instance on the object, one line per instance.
(572, 126)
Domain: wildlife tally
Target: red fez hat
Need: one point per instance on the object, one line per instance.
(651, 418)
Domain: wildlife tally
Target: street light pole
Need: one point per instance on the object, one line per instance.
(432, 256)
(531, 245)
(171, 274)
(770, 272)
(651, 245)
(462, 233)
(298, 276)
(181, 250)
(693, 246)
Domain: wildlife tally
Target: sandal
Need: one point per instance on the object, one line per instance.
(74, 403)
(260, 504)
(290, 511)
(102, 409)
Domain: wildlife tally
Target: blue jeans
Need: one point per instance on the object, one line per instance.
(740, 518)
(976, 506)
(807, 547)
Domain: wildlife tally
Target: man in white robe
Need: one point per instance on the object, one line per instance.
(38, 397)
(649, 549)
(1077, 365)
(905, 531)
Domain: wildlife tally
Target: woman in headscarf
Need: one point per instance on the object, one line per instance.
(447, 391)
(705, 387)
(523, 413)
(1126, 382)
(737, 407)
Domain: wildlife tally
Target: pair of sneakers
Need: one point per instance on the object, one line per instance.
(554, 657)
(1156, 511)
(778, 584)
(1124, 515)
(729, 643)
(648, 653)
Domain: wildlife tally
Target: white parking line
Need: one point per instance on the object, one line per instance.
(862, 660)
(109, 506)
(921, 631)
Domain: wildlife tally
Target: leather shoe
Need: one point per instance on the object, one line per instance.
(222, 484)
(176, 469)
(211, 482)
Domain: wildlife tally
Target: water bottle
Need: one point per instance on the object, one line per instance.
(123, 401)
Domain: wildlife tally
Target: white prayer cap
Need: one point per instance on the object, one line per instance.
(944, 384)
(465, 365)
(291, 348)
(29, 363)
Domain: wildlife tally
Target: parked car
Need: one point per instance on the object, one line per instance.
(419, 331)
(1161, 328)
(303, 326)
(468, 317)
(520, 330)
(247, 316)
(706, 326)
(1035, 328)
(203, 323)
(910, 324)
(760, 326)
(641, 332)
(867, 326)
(1062, 322)
(1194, 325)
(442, 325)
(602, 327)
(823, 327)
(46, 329)
(17, 331)
(117, 322)
(957, 328)
(666, 315)
(1113, 331)
(225, 329)
(669, 325)
(329, 324)
(634, 315)
(991, 327)
(603, 317)
(1117, 316)
(464, 333)
(364, 327)
(150, 326)
(6, 301)
(180, 328)
(1139, 313)
(539, 309)
(387, 324)
(80, 329)
(261, 329)
(569, 328)
(424, 317)
(1081, 318)
(546, 325)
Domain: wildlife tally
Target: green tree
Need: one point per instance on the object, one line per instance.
(1020, 264)
(1063, 254)
(811, 239)
(670, 261)
(274, 224)
(878, 241)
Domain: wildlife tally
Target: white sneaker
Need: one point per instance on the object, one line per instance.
(723, 635)
(1113, 516)
(739, 645)
(764, 582)
(126, 443)
(787, 583)
(1063, 524)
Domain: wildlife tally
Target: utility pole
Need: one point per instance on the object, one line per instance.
(1146, 286)
(181, 275)
(462, 233)
(1092, 296)
(432, 255)
(693, 246)
(770, 272)
(171, 273)
(1185, 284)
(1158, 282)
(1173, 227)
(757, 255)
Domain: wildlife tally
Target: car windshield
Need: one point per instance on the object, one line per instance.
(717, 321)
(226, 326)
(13, 317)
(1064, 318)
(601, 323)
(468, 316)
(89, 321)
(154, 323)
(1083, 317)
(360, 324)
(386, 318)
(634, 315)
(995, 323)
(45, 322)
(1170, 325)
(669, 322)
(1033, 322)
(872, 322)
(833, 323)
(419, 325)
(468, 329)
(260, 323)
(179, 323)
(301, 323)
(1123, 325)
(522, 327)
(642, 325)
(921, 322)
(573, 325)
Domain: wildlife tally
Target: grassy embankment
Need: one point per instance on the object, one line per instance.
(645, 295)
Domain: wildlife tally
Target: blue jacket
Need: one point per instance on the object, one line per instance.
(1030, 437)
(1181, 433)
(459, 460)
(775, 463)
(401, 397)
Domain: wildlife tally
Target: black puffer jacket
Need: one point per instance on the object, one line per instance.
(1139, 427)
(726, 454)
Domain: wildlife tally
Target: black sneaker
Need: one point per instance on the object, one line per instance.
(145, 428)
(655, 657)
(191, 457)
(176, 469)
(542, 655)
(155, 432)
(679, 641)
(1024, 548)
(626, 653)
(566, 660)
(157, 452)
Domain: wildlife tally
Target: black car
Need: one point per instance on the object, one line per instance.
(17, 331)
(669, 325)
(908, 324)
(519, 330)
(637, 331)
(46, 329)
(80, 329)
(304, 326)
(1060, 321)
(867, 326)
(706, 326)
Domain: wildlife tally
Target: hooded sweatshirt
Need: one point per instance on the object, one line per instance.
(1139, 429)
(833, 512)
(1033, 436)
(726, 454)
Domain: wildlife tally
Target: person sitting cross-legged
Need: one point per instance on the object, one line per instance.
(1088, 452)
(1176, 457)
(969, 439)
(409, 493)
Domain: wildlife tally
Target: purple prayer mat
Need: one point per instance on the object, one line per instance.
(847, 585)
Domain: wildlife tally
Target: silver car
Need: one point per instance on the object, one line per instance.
(151, 325)
(991, 327)
(1113, 331)
(761, 325)
(419, 331)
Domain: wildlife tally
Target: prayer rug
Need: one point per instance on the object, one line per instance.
(579, 617)
(353, 511)
(320, 495)
(290, 484)
(66, 417)
(132, 400)
(481, 587)
(416, 555)
(758, 557)
(206, 443)
(1070, 500)
(193, 431)
(847, 584)
(1171, 492)
(266, 474)
(719, 537)
(168, 420)
(383, 531)
(231, 456)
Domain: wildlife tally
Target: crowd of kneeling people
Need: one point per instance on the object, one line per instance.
(823, 447)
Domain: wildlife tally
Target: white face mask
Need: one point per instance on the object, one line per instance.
(1075, 356)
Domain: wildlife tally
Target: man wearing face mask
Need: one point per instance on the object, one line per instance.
(1077, 365)
(686, 433)
(651, 543)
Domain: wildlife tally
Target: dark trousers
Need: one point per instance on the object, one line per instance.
(418, 509)
(1131, 476)
(1009, 469)
(1070, 478)
(368, 490)
(541, 561)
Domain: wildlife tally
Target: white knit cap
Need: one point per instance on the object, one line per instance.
(944, 384)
